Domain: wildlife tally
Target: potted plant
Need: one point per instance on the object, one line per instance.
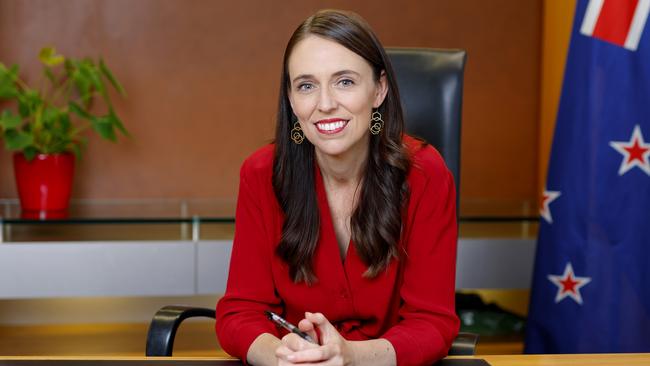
(45, 125)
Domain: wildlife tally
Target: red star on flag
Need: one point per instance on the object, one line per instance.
(547, 198)
(635, 152)
(568, 284)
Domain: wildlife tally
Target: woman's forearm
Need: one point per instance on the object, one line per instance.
(375, 352)
(262, 350)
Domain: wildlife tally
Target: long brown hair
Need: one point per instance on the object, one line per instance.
(376, 222)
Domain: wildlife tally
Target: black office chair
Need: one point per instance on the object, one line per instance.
(431, 87)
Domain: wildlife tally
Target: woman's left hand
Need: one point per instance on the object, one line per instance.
(333, 349)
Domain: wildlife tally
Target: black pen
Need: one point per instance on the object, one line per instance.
(277, 319)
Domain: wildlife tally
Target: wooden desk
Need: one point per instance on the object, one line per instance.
(623, 359)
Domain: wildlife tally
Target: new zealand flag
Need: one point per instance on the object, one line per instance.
(591, 285)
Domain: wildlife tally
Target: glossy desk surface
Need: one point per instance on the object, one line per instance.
(623, 359)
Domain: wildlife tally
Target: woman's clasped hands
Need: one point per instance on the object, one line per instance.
(332, 348)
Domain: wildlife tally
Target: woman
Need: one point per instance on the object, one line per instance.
(344, 225)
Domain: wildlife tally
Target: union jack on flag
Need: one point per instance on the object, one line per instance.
(591, 283)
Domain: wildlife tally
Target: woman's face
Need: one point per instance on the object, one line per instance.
(332, 92)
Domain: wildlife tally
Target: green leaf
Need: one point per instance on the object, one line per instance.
(7, 90)
(93, 75)
(59, 143)
(60, 134)
(7, 82)
(28, 103)
(9, 121)
(30, 152)
(49, 57)
(81, 112)
(117, 122)
(44, 139)
(64, 120)
(11, 72)
(104, 127)
(50, 116)
(76, 150)
(49, 75)
(107, 73)
(17, 140)
(89, 72)
(23, 107)
(82, 83)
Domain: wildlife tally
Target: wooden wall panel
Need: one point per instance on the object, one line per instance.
(202, 77)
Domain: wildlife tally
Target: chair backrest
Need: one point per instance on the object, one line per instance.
(431, 88)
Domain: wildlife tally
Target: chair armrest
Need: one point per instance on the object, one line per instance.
(464, 344)
(162, 330)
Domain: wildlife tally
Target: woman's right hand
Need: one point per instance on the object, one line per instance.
(332, 350)
(292, 343)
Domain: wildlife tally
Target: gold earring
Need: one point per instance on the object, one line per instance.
(377, 123)
(296, 134)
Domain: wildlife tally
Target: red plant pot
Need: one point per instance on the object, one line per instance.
(44, 184)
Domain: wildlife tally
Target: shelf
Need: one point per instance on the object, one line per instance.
(212, 219)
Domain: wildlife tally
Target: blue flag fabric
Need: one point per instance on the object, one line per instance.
(591, 282)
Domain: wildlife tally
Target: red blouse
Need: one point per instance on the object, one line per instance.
(411, 304)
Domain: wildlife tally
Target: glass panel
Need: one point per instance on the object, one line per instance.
(133, 210)
(488, 208)
(213, 219)
(498, 229)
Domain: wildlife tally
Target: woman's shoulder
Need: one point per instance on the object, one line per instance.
(429, 179)
(426, 161)
(259, 162)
